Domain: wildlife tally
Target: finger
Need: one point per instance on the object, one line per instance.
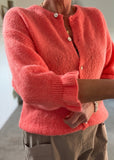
(73, 118)
(77, 123)
(69, 115)
(68, 123)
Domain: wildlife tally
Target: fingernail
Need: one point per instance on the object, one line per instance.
(67, 116)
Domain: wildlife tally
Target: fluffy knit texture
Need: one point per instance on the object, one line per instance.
(45, 65)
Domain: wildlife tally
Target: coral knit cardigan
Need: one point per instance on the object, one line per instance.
(45, 65)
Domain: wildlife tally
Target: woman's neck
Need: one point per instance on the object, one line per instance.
(60, 6)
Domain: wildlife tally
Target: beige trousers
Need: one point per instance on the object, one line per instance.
(90, 144)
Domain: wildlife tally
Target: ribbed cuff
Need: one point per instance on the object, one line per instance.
(57, 93)
(70, 91)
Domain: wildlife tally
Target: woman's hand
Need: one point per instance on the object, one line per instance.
(74, 119)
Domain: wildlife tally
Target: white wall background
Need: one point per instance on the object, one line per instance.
(7, 103)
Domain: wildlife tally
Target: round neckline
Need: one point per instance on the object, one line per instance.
(52, 13)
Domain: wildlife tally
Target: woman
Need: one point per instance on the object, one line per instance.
(61, 59)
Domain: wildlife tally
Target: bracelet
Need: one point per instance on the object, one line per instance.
(95, 106)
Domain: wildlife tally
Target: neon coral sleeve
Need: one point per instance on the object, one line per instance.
(108, 70)
(31, 78)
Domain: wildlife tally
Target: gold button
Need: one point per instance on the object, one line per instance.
(68, 31)
(82, 67)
